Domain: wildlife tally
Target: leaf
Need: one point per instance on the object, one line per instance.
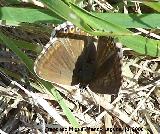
(44, 16)
(131, 20)
(141, 44)
(84, 19)
(154, 5)
(15, 16)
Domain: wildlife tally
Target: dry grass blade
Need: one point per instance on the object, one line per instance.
(45, 106)
(142, 102)
(154, 131)
(2, 132)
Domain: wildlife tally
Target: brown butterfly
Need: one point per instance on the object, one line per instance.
(74, 57)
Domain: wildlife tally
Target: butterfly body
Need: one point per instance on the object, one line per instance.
(77, 58)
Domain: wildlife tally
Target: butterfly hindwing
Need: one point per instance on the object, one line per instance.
(107, 78)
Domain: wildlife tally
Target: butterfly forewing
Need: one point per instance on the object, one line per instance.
(57, 64)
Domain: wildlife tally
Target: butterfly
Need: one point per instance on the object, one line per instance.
(75, 57)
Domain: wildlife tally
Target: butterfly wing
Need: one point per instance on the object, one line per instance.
(57, 62)
(86, 64)
(108, 77)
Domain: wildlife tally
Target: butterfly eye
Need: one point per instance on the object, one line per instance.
(71, 29)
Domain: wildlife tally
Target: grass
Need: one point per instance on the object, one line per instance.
(26, 27)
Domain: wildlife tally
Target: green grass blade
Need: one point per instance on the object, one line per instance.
(9, 73)
(15, 16)
(11, 45)
(84, 19)
(43, 16)
(25, 45)
(132, 20)
(154, 5)
(141, 44)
